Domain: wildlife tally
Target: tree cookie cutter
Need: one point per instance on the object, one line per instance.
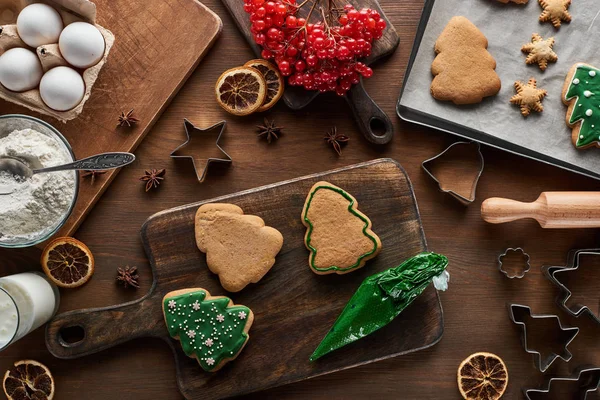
(567, 336)
(525, 257)
(587, 378)
(461, 186)
(564, 294)
(200, 164)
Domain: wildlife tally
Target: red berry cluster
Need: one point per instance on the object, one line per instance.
(318, 56)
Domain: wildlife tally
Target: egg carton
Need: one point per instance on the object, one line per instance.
(49, 55)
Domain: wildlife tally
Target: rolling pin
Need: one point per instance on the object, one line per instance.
(553, 210)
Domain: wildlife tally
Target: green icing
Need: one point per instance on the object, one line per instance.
(207, 329)
(381, 298)
(351, 210)
(585, 86)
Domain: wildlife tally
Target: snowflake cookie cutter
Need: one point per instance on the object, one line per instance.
(201, 164)
(449, 186)
(587, 378)
(526, 258)
(568, 335)
(573, 262)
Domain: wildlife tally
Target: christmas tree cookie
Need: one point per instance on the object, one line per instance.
(239, 248)
(338, 235)
(210, 329)
(581, 92)
(463, 70)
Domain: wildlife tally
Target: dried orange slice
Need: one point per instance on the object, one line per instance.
(274, 80)
(482, 376)
(68, 262)
(28, 380)
(241, 91)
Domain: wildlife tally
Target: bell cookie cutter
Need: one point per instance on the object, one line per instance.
(202, 169)
(568, 334)
(525, 257)
(587, 378)
(429, 166)
(564, 294)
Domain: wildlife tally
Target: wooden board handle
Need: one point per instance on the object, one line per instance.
(374, 124)
(103, 328)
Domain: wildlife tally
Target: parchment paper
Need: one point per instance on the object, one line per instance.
(507, 27)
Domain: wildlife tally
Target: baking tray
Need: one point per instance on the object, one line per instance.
(588, 160)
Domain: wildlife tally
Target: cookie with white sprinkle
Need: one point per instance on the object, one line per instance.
(581, 93)
(210, 329)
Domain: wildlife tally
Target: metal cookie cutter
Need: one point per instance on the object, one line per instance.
(453, 188)
(567, 336)
(525, 257)
(564, 294)
(587, 378)
(201, 164)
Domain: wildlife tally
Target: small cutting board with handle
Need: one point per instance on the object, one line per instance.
(372, 121)
(293, 307)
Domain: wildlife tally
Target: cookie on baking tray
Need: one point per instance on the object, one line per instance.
(529, 98)
(210, 329)
(338, 235)
(581, 92)
(463, 70)
(539, 51)
(239, 248)
(555, 11)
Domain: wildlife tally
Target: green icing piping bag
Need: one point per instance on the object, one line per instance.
(382, 297)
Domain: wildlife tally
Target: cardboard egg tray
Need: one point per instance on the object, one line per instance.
(49, 55)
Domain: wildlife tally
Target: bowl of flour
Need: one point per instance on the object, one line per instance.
(40, 205)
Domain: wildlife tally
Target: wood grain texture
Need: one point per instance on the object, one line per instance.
(475, 314)
(295, 318)
(553, 210)
(372, 121)
(150, 61)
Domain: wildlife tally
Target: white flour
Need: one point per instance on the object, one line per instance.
(41, 202)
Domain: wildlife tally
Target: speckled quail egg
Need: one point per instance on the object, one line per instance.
(39, 24)
(20, 69)
(62, 88)
(81, 44)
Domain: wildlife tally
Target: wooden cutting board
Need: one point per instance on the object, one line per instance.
(294, 308)
(372, 121)
(149, 63)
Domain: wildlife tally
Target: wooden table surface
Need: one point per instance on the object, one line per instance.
(476, 317)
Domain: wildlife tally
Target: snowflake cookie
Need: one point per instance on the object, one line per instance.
(581, 93)
(555, 11)
(540, 51)
(529, 97)
(210, 329)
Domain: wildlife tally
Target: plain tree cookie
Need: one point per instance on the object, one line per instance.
(211, 329)
(581, 92)
(463, 70)
(239, 248)
(338, 235)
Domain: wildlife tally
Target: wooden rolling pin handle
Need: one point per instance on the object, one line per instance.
(497, 210)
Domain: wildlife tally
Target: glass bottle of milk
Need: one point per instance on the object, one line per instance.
(27, 301)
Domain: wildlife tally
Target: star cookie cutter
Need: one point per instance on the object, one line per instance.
(587, 378)
(202, 169)
(461, 180)
(525, 257)
(564, 294)
(567, 336)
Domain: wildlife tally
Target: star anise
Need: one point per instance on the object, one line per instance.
(128, 276)
(153, 178)
(127, 119)
(270, 130)
(336, 140)
(92, 175)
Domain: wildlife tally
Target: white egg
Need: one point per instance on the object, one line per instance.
(62, 88)
(39, 24)
(20, 70)
(81, 44)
